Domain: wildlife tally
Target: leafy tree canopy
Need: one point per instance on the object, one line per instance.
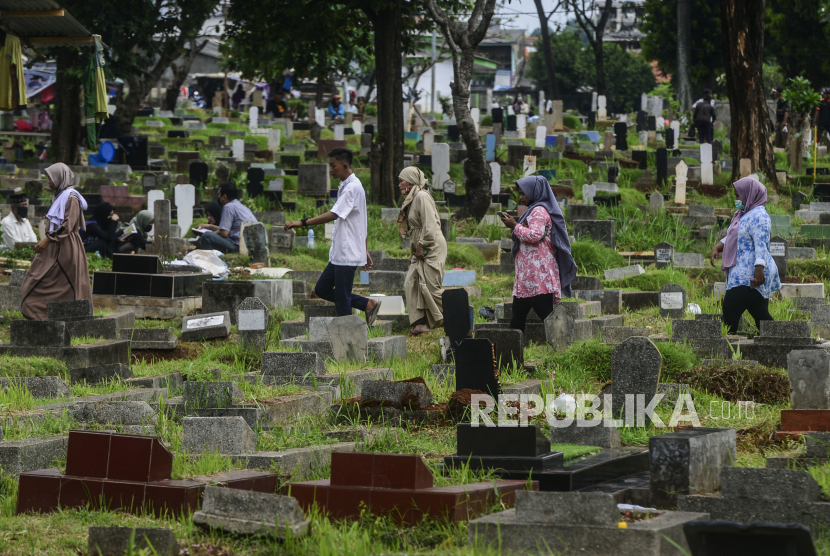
(796, 33)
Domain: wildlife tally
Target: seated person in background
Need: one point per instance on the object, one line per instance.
(138, 229)
(336, 110)
(214, 213)
(277, 106)
(101, 232)
(16, 227)
(224, 237)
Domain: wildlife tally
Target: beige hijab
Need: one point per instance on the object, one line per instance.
(61, 175)
(416, 178)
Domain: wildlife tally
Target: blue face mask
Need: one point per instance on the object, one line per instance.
(739, 205)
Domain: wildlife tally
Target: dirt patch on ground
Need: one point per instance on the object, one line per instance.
(801, 280)
(460, 402)
(185, 350)
(735, 383)
(416, 380)
(711, 190)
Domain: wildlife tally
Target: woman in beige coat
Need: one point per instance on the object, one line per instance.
(419, 221)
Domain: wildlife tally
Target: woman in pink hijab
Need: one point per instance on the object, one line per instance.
(751, 274)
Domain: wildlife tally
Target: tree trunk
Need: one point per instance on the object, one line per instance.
(321, 88)
(66, 127)
(140, 86)
(599, 56)
(743, 47)
(553, 89)
(684, 43)
(476, 167)
(180, 71)
(389, 68)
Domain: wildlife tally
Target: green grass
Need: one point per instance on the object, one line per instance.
(31, 366)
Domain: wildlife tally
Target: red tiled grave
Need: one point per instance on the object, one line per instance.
(173, 496)
(39, 491)
(401, 487)
(80, 492)
(124, 495)
(88, 453)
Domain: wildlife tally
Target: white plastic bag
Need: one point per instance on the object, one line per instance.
(693, 308)
(565, 403)
(208, 261)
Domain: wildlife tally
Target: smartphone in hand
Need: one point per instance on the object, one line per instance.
(502, 215)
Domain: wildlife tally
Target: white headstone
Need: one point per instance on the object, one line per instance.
(529, 166)
(541, 135)
(680, 183)
(707, 176)
(357, 127)
(152, 197)
(644, 102)
(601, 111)
(675, 125)
(320, 116)
(185, 200)
(217, 110)
(656, 104)
(642, 137)
(440, 164)
(489, 100)
(541, 101)
(253, 118)
(274, 138)
(339, 132)
(476, 115)
(593, 102)
(495, 185)
(429, 139)
(239, 149)
(588, 193)
(521, 125)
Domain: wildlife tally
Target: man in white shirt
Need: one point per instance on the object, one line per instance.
(348, 240)
(16, 227)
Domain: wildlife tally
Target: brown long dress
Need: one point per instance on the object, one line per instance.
(61, 272)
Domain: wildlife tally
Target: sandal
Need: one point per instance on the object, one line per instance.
(419, 330)
(372, 315)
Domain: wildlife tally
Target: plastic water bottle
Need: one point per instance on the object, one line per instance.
(311, 244)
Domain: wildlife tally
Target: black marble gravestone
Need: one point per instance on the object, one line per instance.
(457, 323)
(475, 366)
(641, 157)
(726, 538)
(511, 122)
(621, 136)
(651, 123)
(613, 174)
(669, 138)
(369, 128)
(502, 448)
(452, 133)
(255, 178)
(592, 120)
(642, 121)
(662, 166)
(199, 173)
(498, 115)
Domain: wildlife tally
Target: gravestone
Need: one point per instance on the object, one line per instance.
(256, 176)
(541, 134)
(149, 182)
(641, 157)
(238, 148)
(707, 176)
(508, 346)
(199, 172)
(621, 135)
(475, 366)
(440, 164)
(252, 316)
(313, 180)
(279, 240)
(809, 372)
(607, 140)
(521, 125)
(662, 164)
(601, 111)
(253, 118)
(222, 172)
(675, 127)
(495, 184)
(670, 139)
(429, 141)
(651, 123)
(562, 329)
(672, 301)
(663, 253)
(680, 183)
(206, 326)
(655, 202)
(529, 166)
(185, 201)
(457, 321)
(349, 337)
(779, 248)
(161, 226)
(589, 191)
(256, 242)
(635, 369)
(490, 146)
(339, 132)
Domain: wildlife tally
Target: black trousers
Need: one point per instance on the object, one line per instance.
(335, 284)
(740, 299)
(705, 131)
(542, 304)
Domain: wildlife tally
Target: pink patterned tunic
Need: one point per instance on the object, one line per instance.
(537, 272)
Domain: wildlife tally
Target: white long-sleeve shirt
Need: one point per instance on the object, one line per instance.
(16, 232)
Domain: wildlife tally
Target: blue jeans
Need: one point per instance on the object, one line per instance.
(335, 284)
(212, 240)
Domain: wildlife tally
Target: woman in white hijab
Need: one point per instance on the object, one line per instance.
(59, 271)
(419, 221)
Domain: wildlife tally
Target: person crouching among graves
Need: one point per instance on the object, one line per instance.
(16, 227)
(59, 271)
(349, 239)
(419, 221)
(224, 236)
(545, 267)
(134, 236)
(101, 231)
(751, 274)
